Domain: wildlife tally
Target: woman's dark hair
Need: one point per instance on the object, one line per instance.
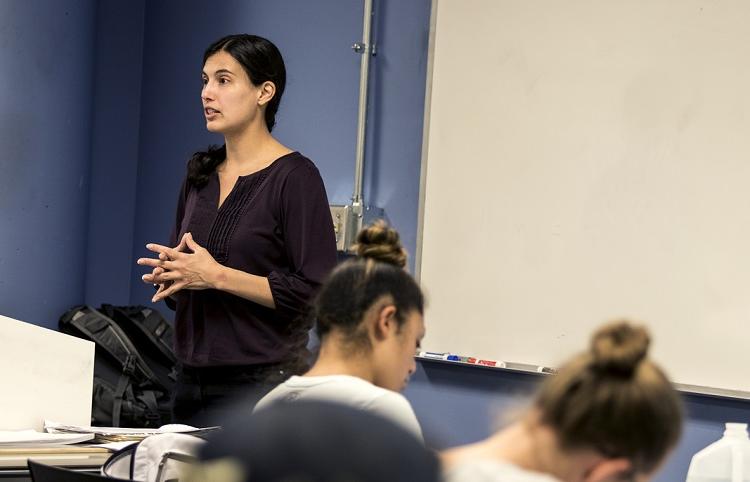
(613, 399)
(262, 62)
(354, 286)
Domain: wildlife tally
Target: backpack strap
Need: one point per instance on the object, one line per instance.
(122, 385)
(148, 322)
(103, 331)
(159, 331)
(148, 397)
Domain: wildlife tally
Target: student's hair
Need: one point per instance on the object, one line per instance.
(354, 286)
(613, 399)
(262, 62)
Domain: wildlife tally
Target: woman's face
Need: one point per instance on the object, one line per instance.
(230, 101)
(395, 361)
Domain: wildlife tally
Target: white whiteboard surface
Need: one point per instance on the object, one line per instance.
(587, 161)
(45, 375)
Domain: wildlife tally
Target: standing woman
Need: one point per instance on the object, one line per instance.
(253, 239)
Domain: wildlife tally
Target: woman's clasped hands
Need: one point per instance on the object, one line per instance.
(186, 266)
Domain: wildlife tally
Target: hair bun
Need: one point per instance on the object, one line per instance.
(380, 242)
(618, 348)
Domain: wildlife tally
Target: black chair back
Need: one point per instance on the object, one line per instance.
(47, 473)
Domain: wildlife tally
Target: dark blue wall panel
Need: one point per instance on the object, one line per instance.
(114, 151)
(45, 120)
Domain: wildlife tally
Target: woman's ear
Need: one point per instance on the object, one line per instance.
(267, 91)
(606, 470)
(385, 323)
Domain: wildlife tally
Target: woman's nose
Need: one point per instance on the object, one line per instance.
(207, 92)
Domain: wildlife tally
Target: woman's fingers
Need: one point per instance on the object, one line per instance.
(167, 291)
(156, 263)
(165, 253)
(158, 276)
(183, 244)
(153, 276)
(190, 242)
(158, 295)
(158, 248)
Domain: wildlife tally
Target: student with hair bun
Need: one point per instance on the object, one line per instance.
(609, 414)
(369, 320)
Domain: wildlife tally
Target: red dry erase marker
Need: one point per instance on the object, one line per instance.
(489, 363)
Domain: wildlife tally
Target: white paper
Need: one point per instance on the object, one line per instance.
(32, 437)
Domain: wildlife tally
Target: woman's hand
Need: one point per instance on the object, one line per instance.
(155, 276)
(176, 268)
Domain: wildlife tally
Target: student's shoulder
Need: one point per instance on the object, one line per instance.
(389, 397)
(353, 389)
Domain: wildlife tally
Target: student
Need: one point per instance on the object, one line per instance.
(610, 414)
(369, 320)
(254, 238)
(314, 441)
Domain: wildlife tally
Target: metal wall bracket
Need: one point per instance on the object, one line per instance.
(348, 221)
(361, 48)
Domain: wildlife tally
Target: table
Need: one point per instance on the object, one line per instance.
(13, 460)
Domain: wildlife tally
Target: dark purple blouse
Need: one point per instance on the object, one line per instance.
(274, 223)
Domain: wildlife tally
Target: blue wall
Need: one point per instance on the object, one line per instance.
(136, 64)
(114, 151)
(45, 121)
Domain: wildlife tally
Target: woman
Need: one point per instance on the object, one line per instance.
(254, 237)
(369, 320)
(610, 414)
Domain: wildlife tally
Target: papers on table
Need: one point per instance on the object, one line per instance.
(120, 434)
(113, 446)
(32, 438)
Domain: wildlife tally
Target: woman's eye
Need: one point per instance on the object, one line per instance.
(204, 81)
(223, 80)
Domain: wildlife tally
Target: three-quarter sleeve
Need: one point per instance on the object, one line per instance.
(309, 240)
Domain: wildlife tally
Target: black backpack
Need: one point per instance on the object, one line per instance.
(134, 363)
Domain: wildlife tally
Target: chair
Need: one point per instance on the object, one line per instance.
(47, 473)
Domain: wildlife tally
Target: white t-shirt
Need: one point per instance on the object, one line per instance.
(494, 471)
(348, 390)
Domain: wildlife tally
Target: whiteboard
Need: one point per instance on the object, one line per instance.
(588, 160)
